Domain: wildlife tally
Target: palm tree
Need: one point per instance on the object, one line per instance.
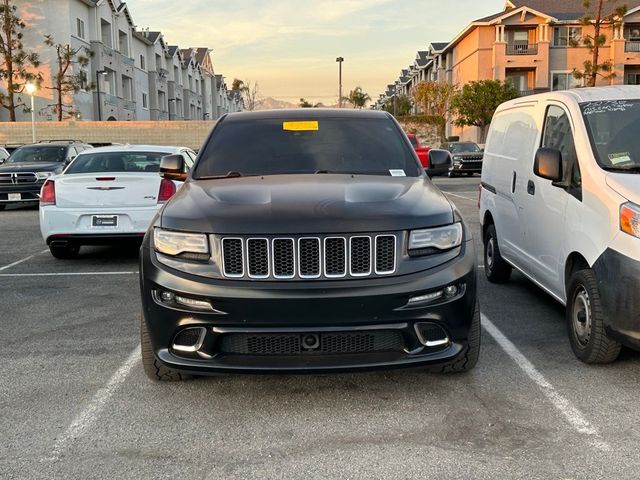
(358, 98)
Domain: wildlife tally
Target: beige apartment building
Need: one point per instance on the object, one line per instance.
(529, 43)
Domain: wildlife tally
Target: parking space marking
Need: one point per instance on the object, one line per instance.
(474, 200)
(7, 267)
(88, 417)
(65, 274)
(573, 416)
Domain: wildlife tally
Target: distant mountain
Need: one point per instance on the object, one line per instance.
(270, 103)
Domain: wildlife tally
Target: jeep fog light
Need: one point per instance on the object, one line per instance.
(193, 303)
(429, 297)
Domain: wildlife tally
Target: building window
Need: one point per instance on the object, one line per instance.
(145, 101)
(143, 63)
(80, 28)
(633, 79)
(83, 80)
(566, 36)
(127, 88)
(158, 62)
(563, 81)
(123, 41)
(105, 32)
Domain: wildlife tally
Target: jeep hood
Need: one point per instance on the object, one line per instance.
(30, 167)
(305, 204)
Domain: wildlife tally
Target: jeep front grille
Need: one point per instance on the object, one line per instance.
(18, 178)
(309, 257)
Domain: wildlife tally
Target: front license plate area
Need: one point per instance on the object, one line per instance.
(14, 197)
(105, 221)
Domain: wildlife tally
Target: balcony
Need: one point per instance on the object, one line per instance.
(522, 49)
(163, 72)
(129, 105)
(632, 46)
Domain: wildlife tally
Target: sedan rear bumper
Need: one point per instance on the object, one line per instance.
(77, 224)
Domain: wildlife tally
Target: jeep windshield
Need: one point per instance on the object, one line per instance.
(464, 147)
(38, 154)
(276, 146)
(614, 134)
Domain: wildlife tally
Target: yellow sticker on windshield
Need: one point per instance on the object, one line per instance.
(312, 126)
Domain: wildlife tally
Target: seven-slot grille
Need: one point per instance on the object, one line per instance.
(18, 178)
(304, 258)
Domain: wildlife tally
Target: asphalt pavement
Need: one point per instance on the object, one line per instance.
(74, 402)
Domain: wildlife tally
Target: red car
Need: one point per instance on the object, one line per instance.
(423, 152)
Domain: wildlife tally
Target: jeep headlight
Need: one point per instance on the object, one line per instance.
(191, 246)
(630, 219)
(43, 175)
(430, 240)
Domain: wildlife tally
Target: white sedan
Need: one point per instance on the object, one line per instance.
(104, 196)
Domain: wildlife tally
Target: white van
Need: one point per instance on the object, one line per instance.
(560, 202)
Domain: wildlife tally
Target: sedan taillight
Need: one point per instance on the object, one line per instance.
(48, 193)
(167, 190)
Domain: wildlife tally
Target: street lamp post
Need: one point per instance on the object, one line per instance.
(31, 90)
(99, 73)
(340, 60)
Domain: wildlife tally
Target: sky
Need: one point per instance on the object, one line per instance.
(290, 46)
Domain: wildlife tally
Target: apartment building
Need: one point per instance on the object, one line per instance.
(132, 74)
(530, 44)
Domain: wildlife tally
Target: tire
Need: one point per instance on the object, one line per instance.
(152, 367)
(585, 321)
(468, 360)
(2, 206)
(65, 253)
(495, 268)
(451, 174)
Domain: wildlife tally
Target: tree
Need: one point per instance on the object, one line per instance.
(66, 81)
(237, 85)
(304, 103)
(358, 98)
(476, 103)
(399, 105)
(597, 19)
(16, 62)
(435, 100)
(250, 93)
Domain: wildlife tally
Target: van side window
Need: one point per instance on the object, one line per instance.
(558, 134)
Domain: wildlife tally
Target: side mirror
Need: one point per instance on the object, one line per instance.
(439, 162)
(172, 168)
(548, 164)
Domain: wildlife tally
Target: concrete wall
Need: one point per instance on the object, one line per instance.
(185, 134)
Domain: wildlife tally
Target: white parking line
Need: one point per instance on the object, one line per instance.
(474, 200)
(7, 267)
(65, 274)
(88, 417)
(571, 414)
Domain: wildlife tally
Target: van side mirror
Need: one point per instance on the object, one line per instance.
(172, 168)
(439, 162)
(548, 164)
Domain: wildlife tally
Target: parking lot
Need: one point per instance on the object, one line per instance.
(76, 404)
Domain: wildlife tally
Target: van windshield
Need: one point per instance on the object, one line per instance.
(615, 136)
(272, 146)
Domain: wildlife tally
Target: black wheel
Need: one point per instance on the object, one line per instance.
(585, 321)
(451, 174)
(2, 206)
(64, 253)
(468, 360)
(495, 268)
(152, 367)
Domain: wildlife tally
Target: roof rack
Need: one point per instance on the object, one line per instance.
(62, 140)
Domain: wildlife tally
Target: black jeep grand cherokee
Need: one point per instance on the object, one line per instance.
(306, 242)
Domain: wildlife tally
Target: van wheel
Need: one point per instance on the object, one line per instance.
(585, 321)
(64, 253)
(469, 359)
(152, 367)
(495, 268)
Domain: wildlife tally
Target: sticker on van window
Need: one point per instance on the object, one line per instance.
(397, 173)
(619, 158)
(312, 126)
(608, 106)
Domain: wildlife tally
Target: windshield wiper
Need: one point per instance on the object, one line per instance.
(634, 169)
(232, 174)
